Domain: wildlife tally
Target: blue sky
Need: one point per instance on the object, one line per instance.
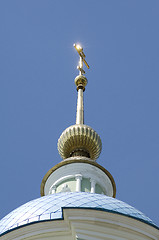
(38, 95)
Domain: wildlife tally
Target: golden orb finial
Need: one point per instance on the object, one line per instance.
(79, 140)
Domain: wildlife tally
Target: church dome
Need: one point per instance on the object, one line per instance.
(51, 207)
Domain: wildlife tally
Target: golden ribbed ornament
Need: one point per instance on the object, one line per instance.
(80, 139)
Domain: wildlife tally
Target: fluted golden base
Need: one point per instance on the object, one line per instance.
(79, 138)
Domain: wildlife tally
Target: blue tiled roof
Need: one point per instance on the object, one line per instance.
(50, 208)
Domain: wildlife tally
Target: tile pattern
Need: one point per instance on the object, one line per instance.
(50, 207)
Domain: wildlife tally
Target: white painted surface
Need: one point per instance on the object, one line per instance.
(53, 189)
(86, 170)
(86, 225)
(78, 178)
(93, 184)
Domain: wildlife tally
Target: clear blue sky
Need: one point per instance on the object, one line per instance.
(38, 95)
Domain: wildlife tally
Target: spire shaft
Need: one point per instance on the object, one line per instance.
(80, 108)
(81, 82)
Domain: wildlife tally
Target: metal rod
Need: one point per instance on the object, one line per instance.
(80, 108)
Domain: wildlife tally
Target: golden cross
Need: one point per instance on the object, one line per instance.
(79, 49)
